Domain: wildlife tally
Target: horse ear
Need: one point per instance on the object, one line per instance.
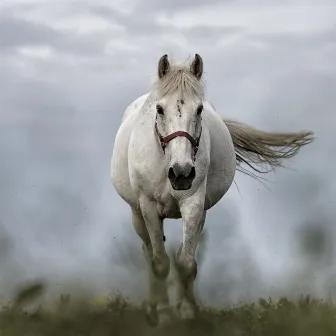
(163, 66)
(196, 66)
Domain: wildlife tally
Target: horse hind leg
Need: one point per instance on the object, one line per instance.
(157, 307)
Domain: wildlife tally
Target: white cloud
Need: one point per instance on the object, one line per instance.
(40, 52)
(256, 19)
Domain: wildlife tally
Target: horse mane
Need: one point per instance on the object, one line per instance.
(179, 80)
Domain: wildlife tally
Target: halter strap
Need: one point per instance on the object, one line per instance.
(165, 140)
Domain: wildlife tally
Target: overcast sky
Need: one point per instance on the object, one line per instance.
(67, 72)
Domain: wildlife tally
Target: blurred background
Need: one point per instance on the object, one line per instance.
(68, 69)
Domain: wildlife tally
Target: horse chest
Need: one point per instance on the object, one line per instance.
(168, 206)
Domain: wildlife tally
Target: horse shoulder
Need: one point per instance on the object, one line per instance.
(134, 107)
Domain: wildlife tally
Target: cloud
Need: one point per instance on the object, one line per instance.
(175, 6)
(18, 32)
(143, 22)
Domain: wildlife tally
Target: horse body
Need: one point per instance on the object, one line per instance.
(138, 163)
(175, 157)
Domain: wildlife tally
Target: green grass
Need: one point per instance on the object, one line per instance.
(306, 317)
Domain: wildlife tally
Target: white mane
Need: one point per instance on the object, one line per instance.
(179, 80)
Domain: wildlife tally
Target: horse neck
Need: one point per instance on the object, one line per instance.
(147, 107)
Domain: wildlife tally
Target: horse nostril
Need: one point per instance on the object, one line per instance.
(192, 173)
(174, 173)
(171, 174)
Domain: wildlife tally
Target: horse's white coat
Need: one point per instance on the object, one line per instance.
(139, 165)
(139, 171)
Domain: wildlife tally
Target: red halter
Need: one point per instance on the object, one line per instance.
(165, 140)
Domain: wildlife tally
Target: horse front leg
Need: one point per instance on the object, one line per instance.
(150, 229)
(193, 217)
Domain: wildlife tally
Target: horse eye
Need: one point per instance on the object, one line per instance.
(199, 109)
(159, 109)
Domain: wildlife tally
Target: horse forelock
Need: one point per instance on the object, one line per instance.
(181, 82)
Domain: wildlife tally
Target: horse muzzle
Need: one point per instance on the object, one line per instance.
(181, 177)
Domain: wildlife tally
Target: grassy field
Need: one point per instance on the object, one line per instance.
(118, 317)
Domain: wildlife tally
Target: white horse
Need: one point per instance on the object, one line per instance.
(175, 157)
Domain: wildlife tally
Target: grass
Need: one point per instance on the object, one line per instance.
(118, 317)
(306, 317)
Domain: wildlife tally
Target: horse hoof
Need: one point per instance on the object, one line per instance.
(151, 314)
(186, 310)
(165, 316)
